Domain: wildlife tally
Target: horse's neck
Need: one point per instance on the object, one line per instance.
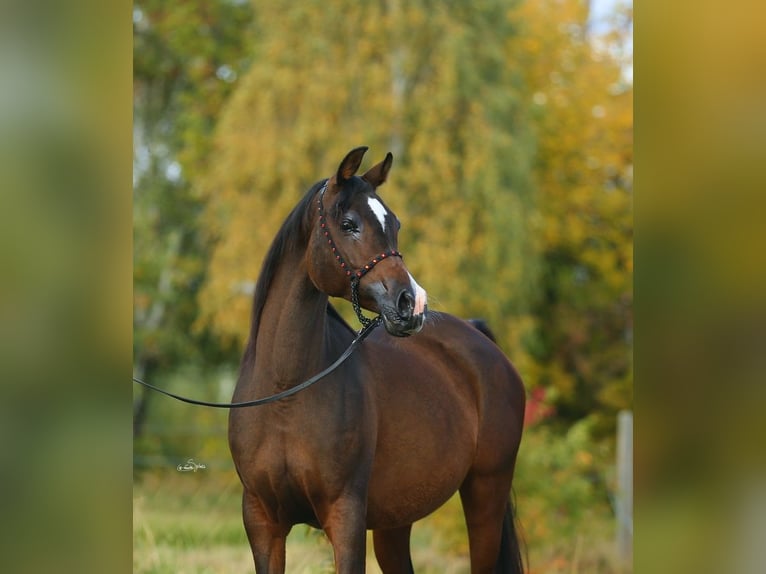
(290, 340)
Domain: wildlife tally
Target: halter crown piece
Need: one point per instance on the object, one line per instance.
(354, 276)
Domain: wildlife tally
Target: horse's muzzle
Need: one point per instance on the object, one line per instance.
(398, 328)
(407, 316)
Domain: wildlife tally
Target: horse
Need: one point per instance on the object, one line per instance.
(426, 407)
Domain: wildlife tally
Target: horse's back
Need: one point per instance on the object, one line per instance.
(454, 358)
(448, 401)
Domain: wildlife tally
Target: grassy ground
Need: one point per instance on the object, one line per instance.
(190, 523)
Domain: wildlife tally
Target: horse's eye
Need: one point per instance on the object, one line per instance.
(348, 226)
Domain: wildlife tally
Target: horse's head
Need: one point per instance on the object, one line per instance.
(355, 241)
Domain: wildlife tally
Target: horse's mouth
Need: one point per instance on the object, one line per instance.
(400, 327)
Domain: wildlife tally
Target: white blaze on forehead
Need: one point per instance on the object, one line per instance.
(379, 211)
(421, 298)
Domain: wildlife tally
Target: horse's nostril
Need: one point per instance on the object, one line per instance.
(405, 304)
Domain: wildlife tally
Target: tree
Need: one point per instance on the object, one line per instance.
(429, 81)
(511, 130)
(582, 341)
(187, 58)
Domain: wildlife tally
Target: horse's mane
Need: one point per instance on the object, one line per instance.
(293, 235)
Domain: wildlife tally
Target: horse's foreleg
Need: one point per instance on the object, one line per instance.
(392, 549)
(345, 526)
(267, 539)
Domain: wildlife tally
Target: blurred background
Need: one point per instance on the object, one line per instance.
(511, 125)
(66, 303)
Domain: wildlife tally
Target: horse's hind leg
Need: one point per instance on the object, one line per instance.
(485, 501)
(267, 539)
(392, 549)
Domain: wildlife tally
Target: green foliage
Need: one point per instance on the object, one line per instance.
(177, 431)
(512, 174)
(511, 133)
(564, 476)
(511, 129)
(564, 483)
(581, 343)
(420, 80)
(187, 57)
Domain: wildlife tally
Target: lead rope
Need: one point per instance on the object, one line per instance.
(372, 323)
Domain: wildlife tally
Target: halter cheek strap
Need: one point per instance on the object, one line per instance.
(354, 276)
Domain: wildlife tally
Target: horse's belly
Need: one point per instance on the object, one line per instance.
(409, 503)
(414, 475)
(395, 501)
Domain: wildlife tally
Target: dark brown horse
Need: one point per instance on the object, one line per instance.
(389, 436)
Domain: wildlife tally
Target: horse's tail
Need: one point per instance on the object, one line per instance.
(509, 560)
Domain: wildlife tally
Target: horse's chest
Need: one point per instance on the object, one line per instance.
(300, 461)
(302, 452)
(293, 477)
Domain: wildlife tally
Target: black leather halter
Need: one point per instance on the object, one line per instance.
(354, 276)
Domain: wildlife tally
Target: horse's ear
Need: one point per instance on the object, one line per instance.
(378, 173)
(350, 164)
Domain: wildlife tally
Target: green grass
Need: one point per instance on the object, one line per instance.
(190, 523)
